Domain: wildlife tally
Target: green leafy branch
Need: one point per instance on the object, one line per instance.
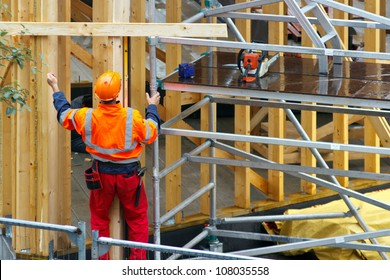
(13, 53)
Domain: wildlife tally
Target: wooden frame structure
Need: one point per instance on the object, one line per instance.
(35, 174)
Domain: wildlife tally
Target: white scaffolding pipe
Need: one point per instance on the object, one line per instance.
(276, 141)
(291, 239)
(237, 7)
(297, 97)
(299, 106)
(275, 48)
(312, 20)
(355, 11)
(291, 168)
(270, 218)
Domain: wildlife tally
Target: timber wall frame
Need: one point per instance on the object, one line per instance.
(47, 197)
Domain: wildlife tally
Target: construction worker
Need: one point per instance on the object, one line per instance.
(113, 136)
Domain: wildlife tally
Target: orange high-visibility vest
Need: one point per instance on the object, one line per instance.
(111, 132)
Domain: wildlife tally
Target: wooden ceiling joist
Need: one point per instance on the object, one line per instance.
(114, 29)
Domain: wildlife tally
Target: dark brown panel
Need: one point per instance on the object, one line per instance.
(295, 75)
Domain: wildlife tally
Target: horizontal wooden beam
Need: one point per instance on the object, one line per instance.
(114, 29)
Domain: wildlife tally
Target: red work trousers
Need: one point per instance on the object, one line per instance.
(136, 216)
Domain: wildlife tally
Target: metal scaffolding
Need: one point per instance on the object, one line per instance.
(287, 101)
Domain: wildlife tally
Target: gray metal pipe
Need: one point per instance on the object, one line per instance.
(191, 244)
(276, 141)
(213, 167)
(186, 202)
(184, 159)
(275, 48)
(260, 219)
(156, 198)
(186, 112)
(38, 225)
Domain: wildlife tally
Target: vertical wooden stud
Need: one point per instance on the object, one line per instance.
(373, 39)
(173, 108)
(340, 134)
(242, 126)
(22, 181)
(204, 207)
(276, 117)
(64, 151)
(7, 141)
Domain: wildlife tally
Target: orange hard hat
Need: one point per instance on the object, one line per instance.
(108, 85)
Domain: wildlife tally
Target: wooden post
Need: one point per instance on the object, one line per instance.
(173, 108)
(342, 30)
(309, 123)
(64, 165)
(204, 179)
(7, 141)
(138, 64)
(373, 39)
(276, 117)
(340, 135)
(242, 126)
(23, 189)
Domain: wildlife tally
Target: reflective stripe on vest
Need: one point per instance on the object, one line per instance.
(65, 113)
(128, 145)
(130, 160)
(149, 130)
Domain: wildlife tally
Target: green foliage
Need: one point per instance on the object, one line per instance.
(11, 53)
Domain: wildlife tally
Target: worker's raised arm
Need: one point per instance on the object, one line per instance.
(61, 104)
(53, 82)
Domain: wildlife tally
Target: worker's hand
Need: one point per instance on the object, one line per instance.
(53, 82)
(155, 99)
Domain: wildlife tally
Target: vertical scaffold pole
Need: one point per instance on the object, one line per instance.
(156, 180)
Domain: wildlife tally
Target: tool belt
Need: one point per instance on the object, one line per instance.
(92, 177)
